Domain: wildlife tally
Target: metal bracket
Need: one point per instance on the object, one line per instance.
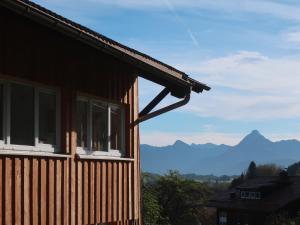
(146, 113)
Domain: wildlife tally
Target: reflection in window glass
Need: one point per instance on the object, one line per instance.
(47, 118)
(99, 127)
(1, 111)
(116, 128)
(81, 123)
(22, 115)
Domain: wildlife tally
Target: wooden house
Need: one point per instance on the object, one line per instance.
(252, 202)
(69, 115)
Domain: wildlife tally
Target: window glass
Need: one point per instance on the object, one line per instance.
(47, 118)
(81, 123)
(22, 115)
(116, 128)
(1, 111)
(99, 127)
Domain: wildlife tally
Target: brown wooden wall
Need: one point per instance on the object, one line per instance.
(67, 191)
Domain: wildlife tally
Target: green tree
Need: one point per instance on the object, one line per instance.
(280, 219)
(150, 203)
(294, 169)
(237, 181)
(268, 170)
(251, 171)
(183, 200)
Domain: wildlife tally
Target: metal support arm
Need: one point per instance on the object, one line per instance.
(154, 102)
(146, 113)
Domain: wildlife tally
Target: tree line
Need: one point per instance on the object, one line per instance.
(173, 200)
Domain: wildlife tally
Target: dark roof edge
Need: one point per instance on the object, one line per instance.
(77, 31)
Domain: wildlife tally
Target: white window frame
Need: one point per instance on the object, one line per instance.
(109, 151)
(37, 147)
(256, 195)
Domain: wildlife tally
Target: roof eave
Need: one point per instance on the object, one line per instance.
(162, 74)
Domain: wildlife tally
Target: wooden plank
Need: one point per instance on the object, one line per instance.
(130, 190)
(17, 194)
(120, 193)
(65, 203)
(72, 188)
(130, 117)
(79, 193)
(115, 193)
(136, 175)
(139, 179)
(85, 192)
(72, 162)
(51, 200)
(34, 191)
(91, 192)
(125, 191)
(26, 192)
(8, 191)
(109, 192)
(58, 192)
(43, 190)
(98, 193)
(104, 197)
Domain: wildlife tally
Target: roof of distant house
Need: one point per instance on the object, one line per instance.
(149, 67)
(279, 193)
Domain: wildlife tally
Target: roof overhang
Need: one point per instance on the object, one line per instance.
(178, 83)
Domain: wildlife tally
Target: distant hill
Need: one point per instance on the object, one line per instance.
(219, 159)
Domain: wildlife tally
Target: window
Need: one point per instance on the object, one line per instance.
(81, 122)
(22, 115)
(100, 127)
(250, 195)
(47, 118)
(222, 218)
(29, 117)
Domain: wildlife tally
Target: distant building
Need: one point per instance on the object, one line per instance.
(255, 199)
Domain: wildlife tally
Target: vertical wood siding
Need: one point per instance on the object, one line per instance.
(35, 191)
(68, 191)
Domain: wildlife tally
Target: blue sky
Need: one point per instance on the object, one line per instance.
(248, 51)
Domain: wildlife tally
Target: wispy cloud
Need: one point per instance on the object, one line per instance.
(193, 38)
(292, 38)
(285, 10)
(182, 23)
(248, 86)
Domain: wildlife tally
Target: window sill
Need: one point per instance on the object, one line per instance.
(33, 153)
(102, 157)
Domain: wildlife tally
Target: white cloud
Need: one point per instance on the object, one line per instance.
(247, 86)
(294, 37)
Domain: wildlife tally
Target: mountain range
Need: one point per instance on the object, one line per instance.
(219, 159)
